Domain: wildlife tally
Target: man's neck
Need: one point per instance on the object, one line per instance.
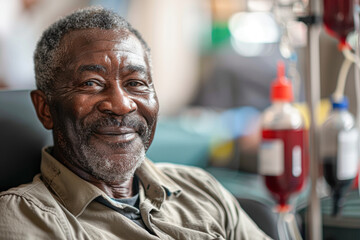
(119, 190)
(114, 190)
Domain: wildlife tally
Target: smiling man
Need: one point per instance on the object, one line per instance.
(105, 107)
(96, 93)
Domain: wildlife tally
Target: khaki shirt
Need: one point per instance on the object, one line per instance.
(176, 202)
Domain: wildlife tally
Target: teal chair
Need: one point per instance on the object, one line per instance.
(21, 138)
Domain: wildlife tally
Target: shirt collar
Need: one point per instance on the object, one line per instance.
(76, 194)
(156, 184)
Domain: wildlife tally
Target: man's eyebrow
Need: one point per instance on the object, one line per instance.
(134, 68)
(92, 68)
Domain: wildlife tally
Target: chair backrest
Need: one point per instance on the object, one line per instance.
(262, 215)
(21, 138)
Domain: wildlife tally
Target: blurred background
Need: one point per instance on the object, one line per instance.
(213, 63)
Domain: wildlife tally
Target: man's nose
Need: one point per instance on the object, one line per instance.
(117, 101)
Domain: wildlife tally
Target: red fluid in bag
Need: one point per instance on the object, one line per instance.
(293, 178)
(338, 18)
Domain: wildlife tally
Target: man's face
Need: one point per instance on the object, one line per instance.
(104, 108)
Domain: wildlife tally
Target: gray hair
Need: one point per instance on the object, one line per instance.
(46, 53)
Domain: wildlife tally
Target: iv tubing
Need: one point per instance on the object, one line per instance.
(339, 91)
(352, 57)
(349, 59)
(292, 226)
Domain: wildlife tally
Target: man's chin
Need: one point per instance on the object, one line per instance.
(117, 173)
(114, 164)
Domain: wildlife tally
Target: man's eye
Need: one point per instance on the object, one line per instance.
(134, 84)
(90, 84)
(137, 86)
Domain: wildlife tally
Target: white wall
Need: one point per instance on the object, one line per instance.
(172, 29)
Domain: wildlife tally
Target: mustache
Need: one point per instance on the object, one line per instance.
(134, 122)
(127, 121)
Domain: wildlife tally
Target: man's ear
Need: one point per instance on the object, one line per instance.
(42, 108)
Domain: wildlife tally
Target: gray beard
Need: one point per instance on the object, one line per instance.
(97, 162)
(111, 170)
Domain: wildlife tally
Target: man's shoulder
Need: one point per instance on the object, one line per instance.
(25, 190)
(35, 194)
(29, 211)
(189, 176)
(183, 170)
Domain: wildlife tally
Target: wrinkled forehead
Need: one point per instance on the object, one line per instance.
(78, 43)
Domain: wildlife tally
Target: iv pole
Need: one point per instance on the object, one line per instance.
(312, 84)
